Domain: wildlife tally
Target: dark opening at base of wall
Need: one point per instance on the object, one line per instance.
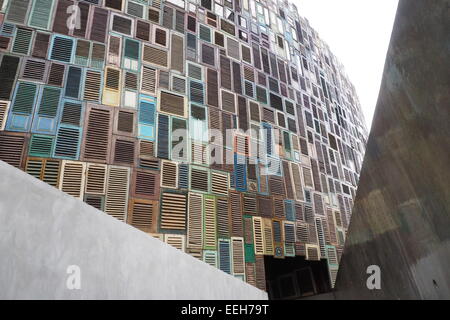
(295, 278)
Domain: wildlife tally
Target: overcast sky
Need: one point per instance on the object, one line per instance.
(358, 33)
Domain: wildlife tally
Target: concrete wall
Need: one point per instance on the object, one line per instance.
(401, 217)
(43, 231)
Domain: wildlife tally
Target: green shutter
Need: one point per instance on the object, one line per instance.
(40, 15)
(49, 102)
(22, 41)
(24, 100)
(41, 146)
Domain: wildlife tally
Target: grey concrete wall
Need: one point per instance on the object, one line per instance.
(43, 231)
(401, 217)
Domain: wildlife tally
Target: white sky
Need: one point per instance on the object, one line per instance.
(358, 33)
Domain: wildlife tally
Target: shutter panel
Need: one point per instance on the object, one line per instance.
(62, 49)
(99, 25)
(172, 104)
(48, 109)
(155, 56)
(96, 179)
(146, 155)
(148, 80)
(228, 103)
(243, 117)
(67, 143)
(131, 54)
(312, 252)
(163, 136)
(219, 183)
(97, 134)
(199, 179)
(56, 74)
(173, 211)
(84, 16)
(224, 255)
(46, 170)
(225, 73)
(98, 55)
(250, 274)
(72, 178)
(160, 36)
(260, 273)
(195, 221)
(111, 90)
(40, 15)
(17, 11)
(71, 113)
(297, 181)
(175, 240)
(142, 214)
(223, 217)
(12, 147)
(73, 82)
(124, 151)
(116, 203)
(4, 108)
(209, 220)
(41, 42)
(236, 215)
(41, 146)
(210, 257)
(212, 88)
(143, 30)
(169, 174)
(288, 180)
(125, 122)
(60, 18)
(22, 106)
(92, 85)
(268, 237)
(208, 55)
(237, 248)
(145, 184)
(258, 235)
(177, 53)
(22, 41)
(240, 172)
(34, 70)
(237, 81)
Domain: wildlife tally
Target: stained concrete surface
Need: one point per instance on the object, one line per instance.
(401, 217)
(44, 231)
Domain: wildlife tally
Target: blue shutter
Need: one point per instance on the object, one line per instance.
(289, 210)
(45, 119)
(62, 49)
(21, 110)
(183, 176)
(67, 143)
(163, 136)
(240, 172)
(224, 255)
(147, 107)
(73, 82)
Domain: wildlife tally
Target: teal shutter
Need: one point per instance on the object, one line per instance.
(40, 14)
(62, 49)
(22, 41)
(147, 118)
(41, 146)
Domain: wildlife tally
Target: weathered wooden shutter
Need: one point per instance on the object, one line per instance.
(116, 202)
(12, 148)
(99, 25)
(73, 178)
(98, 131)
(224, 255)
(173, 211)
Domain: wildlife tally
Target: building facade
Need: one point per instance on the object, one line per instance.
(227, 129)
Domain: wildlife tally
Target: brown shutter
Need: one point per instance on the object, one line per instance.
(124, 150)
(172, 104)
(72, 178)
(98, 131)
(237, 81)
(177, 53)
(40, 47)
(12, 148)
(173, 211)
(225, 72)
(116, 203)
(96, 179)
(212, 88)
(142, 214)
(169, 174)
(61, 16)
(195, 225)
(155, 56)
(236, 215)
(243, 117)
(143, 30)
(99, 24)
(223, 217)
(145, 184)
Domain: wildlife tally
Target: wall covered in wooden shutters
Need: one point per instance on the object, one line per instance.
(96, 111)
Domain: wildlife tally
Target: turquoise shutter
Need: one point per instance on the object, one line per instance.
(147, 118)
(41, 146)
(40, 14)
(45, 120)
(22, 107)
(22, 41)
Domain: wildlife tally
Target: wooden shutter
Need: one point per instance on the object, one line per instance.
(237, 81)
(163, 136)
(224, 255)
(236, 215)
(84, 17)
(73, 82)
(60, 18)
(71, 113)
(195, 221)
(219, 183)
(97, 137)
(169, 174)
(208, 55)
(72, 178)
(17, 11)
(312, 252)
(142, 214)
(268, 237)
(146, 155)
(124, 150)
(210, 257)
(199, 179)
(111, 89)
(67, 143)
(143, 30)
(155, 56)
(237, 249)
(260, 273)
(145, 184)
(41, 43)
(176, 240)
(172, 104)
(22, 41)
(209, 221)
(212, 88)
(96, 179)
(34, 70)
(46, 170)
(99, 25)
(177, 53)
(258, 235)
(225, 72)
(40, 15)
(307, 178)
(173, 211)
(116, 203)
(56, 74)
(92, 85)
(4, 108)
(223, 217)
(62, 49)
(12, 148)
(41, 145)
